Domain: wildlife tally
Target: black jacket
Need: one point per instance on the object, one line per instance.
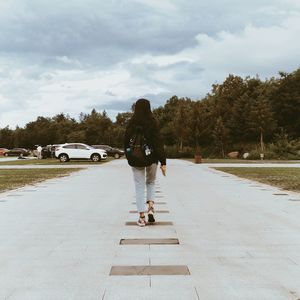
(151, 131)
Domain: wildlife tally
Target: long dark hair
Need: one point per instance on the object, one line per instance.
(142, 113)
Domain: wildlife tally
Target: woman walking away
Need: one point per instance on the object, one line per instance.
(144, 149)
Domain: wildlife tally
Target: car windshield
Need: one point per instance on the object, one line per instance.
(91, 147)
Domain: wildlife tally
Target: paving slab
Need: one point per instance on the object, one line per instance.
(157, 211)
(157, 223)
(150, 270)
(238, 239)
(150, 293)
(165, 241)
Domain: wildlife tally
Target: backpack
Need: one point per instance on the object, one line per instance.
(140, 152)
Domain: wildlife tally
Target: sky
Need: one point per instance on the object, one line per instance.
(72, 56)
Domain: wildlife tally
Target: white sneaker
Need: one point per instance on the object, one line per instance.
(141, 222)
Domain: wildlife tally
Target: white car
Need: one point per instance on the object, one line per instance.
(68, 151)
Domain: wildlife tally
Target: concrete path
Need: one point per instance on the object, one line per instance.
(60, 238)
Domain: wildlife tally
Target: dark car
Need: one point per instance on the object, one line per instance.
(17, 152)
(46, 152)
(49, 151)
(114, 152)
(3, 151)
(52, 149)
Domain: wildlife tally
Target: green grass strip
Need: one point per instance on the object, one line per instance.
(286, 178)
(241, 161)
(15, 178)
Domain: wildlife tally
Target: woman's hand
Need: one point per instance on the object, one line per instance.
(163, 169)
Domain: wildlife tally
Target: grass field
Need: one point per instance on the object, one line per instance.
(286, 178)
(241, 161)
(14, 178)
(51, 161)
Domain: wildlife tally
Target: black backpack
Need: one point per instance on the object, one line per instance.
(140, 151)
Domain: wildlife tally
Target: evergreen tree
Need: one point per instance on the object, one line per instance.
(238, 112)
(97, 127)
(6, 137)
(261, 118)
(181, 122)
(285, 101)
(220, 135)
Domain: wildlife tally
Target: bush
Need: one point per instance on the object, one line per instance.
(254, 154)
(175, 152)
(273, 152)
(284, 147)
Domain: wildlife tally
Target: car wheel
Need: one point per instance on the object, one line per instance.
(63, 158)
(5, 154)
(117, 155)
(95, 157)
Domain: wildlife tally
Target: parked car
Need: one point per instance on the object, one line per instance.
(17, 152)
(53, 148)
(47, 151)
(114, 152)
(69, 151)
(3, 151)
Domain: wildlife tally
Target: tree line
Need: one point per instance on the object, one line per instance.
(245, 114)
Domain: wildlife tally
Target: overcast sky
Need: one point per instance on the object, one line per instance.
(71, 56)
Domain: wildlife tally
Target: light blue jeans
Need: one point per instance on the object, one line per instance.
(140, 183)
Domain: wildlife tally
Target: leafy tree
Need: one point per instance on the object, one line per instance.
(165, 117)
(220, 135)
(118, 128)
(240, 112)
(261, 118)
(6, 137)
(181, 122)
(38, 133)
(236, 113)
(78, 136)
(202, 122)
(282, 144)
(62, 127)
(226, 94)
(18, 137)
(285, 101)
(97, 127)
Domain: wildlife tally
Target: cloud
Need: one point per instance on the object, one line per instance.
(110, 31)
(109, 93)
(255, 50)
(125, 105)
(70, 56)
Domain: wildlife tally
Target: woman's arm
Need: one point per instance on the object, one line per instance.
(158, 146)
